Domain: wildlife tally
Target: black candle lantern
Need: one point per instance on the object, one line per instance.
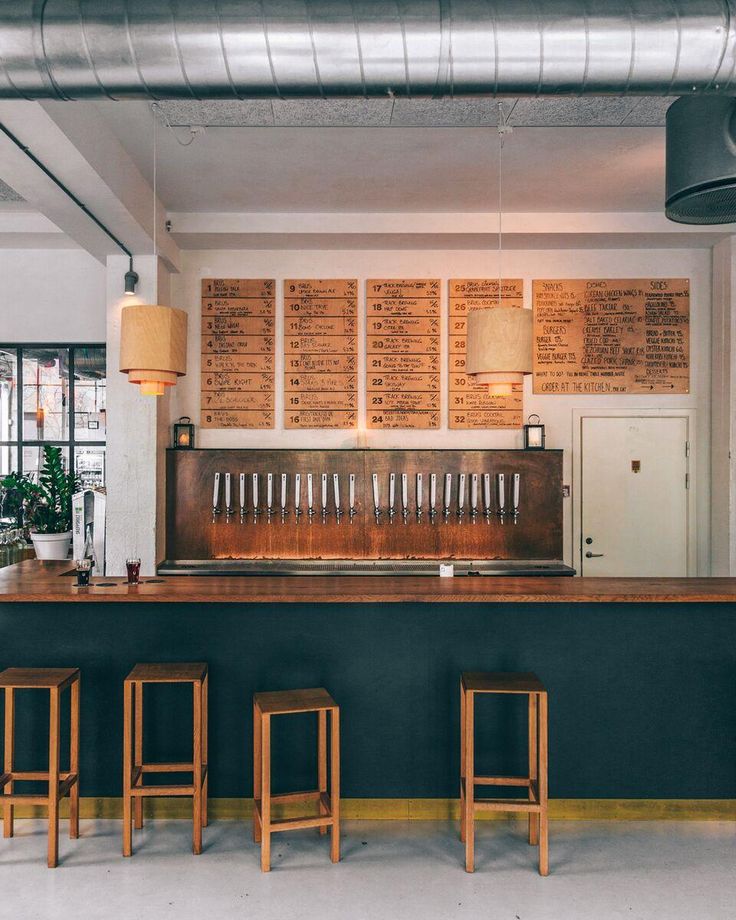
(184, 433)
(533, 434)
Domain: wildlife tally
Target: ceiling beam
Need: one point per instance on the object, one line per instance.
(438, 230)
(81, 151)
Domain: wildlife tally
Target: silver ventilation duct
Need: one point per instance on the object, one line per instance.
(245, 49)
(701, 160)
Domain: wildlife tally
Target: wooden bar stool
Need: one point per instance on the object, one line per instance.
(535, 783)
(266, 705)
(61, 784)
(135, 770)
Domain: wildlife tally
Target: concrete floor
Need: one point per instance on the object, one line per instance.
(396, 870)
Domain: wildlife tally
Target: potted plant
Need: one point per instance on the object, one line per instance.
(46, 504)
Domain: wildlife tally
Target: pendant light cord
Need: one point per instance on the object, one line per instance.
(154, 108)
(503, 129)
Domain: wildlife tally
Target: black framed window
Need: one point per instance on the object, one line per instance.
(53, 394)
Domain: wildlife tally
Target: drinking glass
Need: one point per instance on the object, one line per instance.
(83, 568)
(134, 570)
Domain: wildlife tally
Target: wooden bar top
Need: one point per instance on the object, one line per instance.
(34, 581)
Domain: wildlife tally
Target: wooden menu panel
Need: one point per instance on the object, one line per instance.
(320, 353)
(403, 358)
(629, 335)
(471, 406)
(238, 342)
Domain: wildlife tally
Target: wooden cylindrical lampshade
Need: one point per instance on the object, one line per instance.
(499, 347)
(153, 346)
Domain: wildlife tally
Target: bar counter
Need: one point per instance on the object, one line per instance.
(53, 581)
(641, 675)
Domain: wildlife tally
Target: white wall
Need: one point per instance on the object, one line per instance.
(51, 295)
(555, 411)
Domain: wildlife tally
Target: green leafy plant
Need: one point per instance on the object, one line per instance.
(46, 502)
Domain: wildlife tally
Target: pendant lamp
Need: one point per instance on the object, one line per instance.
(153, 338)
(153, 346)
(499, 339)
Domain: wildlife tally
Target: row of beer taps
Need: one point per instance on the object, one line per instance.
(506, 500)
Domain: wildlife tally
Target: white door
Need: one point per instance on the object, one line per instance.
(634, 496)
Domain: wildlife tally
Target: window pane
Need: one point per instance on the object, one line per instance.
(45, 394)
(8, 395)
(8, 459)
(89, 394)
(33, 458)
(90, 464)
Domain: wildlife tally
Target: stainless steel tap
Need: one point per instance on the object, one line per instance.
(461, 495)
(351, 496)
(420, 497)
(336, 496)
(284, 488)
(376, 497)
(447, 498)
(501, 488)
(487, 510)
(310, 497)
(325, 512)
(241, 497)
(432, 497)
(228, 498)
(404, 496)
(216, 497)
(297, 495)
(391, 496)
(269, 496)
(474, 497)
(515, 495)
(254, 497)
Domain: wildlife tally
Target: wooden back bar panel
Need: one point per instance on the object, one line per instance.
(194, 533)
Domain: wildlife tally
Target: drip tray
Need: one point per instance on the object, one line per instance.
(521, 567)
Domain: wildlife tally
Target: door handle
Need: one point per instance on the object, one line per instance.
(590, 555)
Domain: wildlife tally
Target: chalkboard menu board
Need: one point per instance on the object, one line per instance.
(627, 335)
(238, 336)
(403, 360)
(471, 406)
(320, 353)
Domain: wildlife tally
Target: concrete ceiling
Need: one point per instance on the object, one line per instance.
(7, 193)
(590, 111)
(396, 168)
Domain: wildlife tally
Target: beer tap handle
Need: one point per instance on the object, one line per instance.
(216, 497)
(310, 495)
(516, 487)
(487, 494)
(474, 495)
(461, 495)
(391, 495)
(254, 496)
(284, 489)
(351, 495)
(241, 496)
(297, 494)
(447, 496)
(228, 497)
(324, 497)
(336, 490)
(404, 496)
(269, 496)
(420, 496)
(501, 482)
(432, 496)
(376, 496)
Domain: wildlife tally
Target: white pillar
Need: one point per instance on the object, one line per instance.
(136, 435)
(723, 407)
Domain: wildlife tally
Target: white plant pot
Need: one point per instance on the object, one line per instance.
(52, 545)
